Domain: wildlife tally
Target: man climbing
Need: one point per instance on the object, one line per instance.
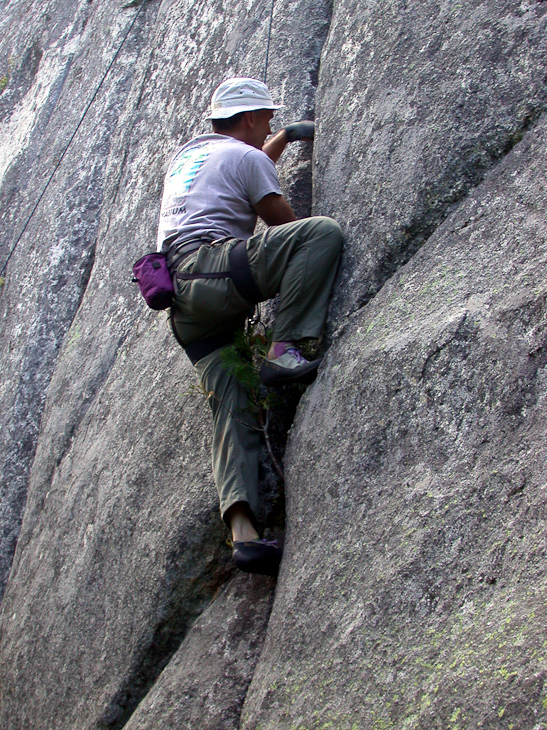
(215, 187)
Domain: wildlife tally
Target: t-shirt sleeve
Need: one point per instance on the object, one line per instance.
(258, 175)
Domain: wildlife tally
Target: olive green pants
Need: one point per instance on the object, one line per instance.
(296, 260)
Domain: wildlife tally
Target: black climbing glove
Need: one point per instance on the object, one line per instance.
(299, 130)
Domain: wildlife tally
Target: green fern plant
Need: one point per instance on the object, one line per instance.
(243, 360)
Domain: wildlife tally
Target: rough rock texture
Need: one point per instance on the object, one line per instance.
(416, 102)
(52, 58)
(205, 682)
(423, 541)
(412, 592)
(122, 546)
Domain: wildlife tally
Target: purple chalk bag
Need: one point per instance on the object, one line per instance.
(154, 280)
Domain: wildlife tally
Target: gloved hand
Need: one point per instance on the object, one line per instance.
(299, 130)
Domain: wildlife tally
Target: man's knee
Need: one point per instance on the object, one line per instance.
(328, 226)
(329, 231)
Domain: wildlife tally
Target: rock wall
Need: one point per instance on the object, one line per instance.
(412, 589)
(51, 63)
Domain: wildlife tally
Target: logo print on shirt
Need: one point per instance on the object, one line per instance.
(188, 165)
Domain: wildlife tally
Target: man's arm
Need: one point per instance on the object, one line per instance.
(274, 210)
(275, 145)
(291, 133)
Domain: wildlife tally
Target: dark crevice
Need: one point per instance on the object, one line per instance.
(283, 416)
(184, 607)
(186, 599)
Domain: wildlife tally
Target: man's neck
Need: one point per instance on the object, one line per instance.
(242, 133)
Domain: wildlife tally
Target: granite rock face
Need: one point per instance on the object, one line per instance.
(416, 102)
(52, 59)
(121, 541)
(412, 590)
(423, 540)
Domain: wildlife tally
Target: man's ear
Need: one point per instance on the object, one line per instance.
(250, 119)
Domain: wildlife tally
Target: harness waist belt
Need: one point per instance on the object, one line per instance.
(240, 272)
(176, 254)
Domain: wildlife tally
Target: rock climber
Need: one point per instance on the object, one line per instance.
(215, 187)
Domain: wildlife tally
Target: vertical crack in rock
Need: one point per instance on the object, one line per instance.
(183, 607)
(298, 188)
(205, 682)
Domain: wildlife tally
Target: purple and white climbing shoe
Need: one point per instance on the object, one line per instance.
(257, 556)
(289, 366)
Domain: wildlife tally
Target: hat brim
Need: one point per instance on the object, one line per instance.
(233, 110)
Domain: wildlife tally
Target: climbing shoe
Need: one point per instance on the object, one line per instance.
(289, 366)
(257, 556)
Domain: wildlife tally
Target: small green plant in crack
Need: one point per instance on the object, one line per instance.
(243, 360)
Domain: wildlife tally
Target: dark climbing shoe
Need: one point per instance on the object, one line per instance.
(257, 556)
(290, 366)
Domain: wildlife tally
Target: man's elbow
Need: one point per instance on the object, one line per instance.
(275, 210)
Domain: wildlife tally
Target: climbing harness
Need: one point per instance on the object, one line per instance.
(57, 165)
(152, 273)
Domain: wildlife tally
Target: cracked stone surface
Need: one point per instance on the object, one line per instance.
(412, 591)
(415, 103)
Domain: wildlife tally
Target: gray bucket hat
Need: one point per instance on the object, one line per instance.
(240, 95)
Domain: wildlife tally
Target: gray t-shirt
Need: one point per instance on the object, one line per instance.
(211, 186)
